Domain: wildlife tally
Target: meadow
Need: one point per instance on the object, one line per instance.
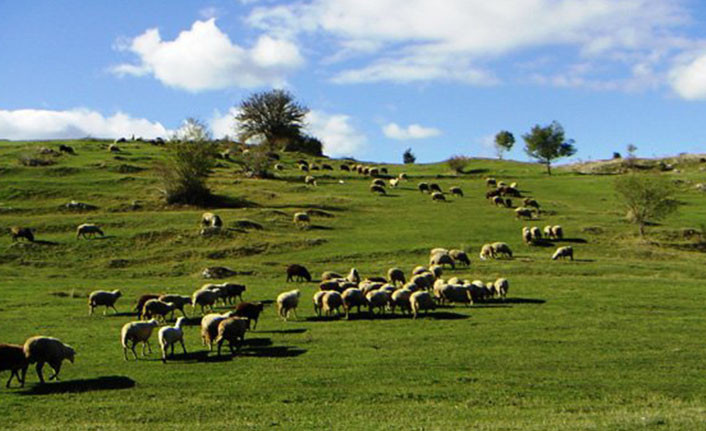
(612, 340)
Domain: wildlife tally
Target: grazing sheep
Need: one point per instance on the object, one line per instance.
(457, 294)
(296, 272)
(437, 196)
(169, 335)
(402, 176)
(353, 276)
(155, 307)
(66, 149)
(456, 191)
(423, 187)
(438, 250)
(523, 212)
(442, 259)
(377, 299)
(330, 275)
(531, 203)
(345, 168)
(232, 330)
(301, 219)
(12, 357)
(332, 301)
(557, 232)
(368, 286)
(88, 229)
(231, 291)
(304, 168)
(211, 220)
(279, 167)
(251, 310)
(501, 248)
(460, 256)
(204, 297)
(509, 191)
(103, 298)
(492, 193)
(491, 182)
(563, 252)
(436, 270)
(383, 170)
(49, 350)
(177, 301)
(501, 286)
(421, 269)
(378, 182)
(395, 274)
(318, 299)
(422, 281)
(113, 148)
(352, 297)
(377, 189)
(330, 285)
(377, 279)
(498, 201)
(434, 187)
(394, 182)
(141, 302)
(508, 203)
(326, 167)
(419, 301)
(21, 232)
(287, 302)
(536, 233)
(400, 298)
(487, 252)
(374, 172)
(310, 181)
(209, 327)
(526, 235)
(548, 232)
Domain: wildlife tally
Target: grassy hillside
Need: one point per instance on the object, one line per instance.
(612, 340)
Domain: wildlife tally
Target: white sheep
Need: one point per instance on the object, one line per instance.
(41, 349)
(442, 259)
(103, 298)
(421, 300)
(352, 297)
(330, 275)
(353, 276)
(287, 302)
(177, 301)
(317, 299)
(438, 250)
(310, 181)
(232, 330)
(501, 248)
(400, 298)
(377, 299)
(395, 275)
(436, 270)
(419, 269)
(501, 286)
(536, 233)
(209, 327)
(332, 301)
(88, 230)
(563, 252)
(211, 220)
(487, 252)
(155, 307)
(460, 256)
(137, 332)
(394, 182)
(301, 219)
(169, 335)
(548, 231)
(526, 235)
(557, 232)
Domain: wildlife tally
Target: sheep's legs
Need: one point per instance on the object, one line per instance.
(40, 364)
(182, 346)
(57, 368)
(114, 309)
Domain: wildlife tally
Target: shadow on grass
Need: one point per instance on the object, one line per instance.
(497, 301)
(542, 243)
(122, 314)
(43, 242)
(319, 227)
(284, 331)
(364, 315)
(222, 201)
(106, 383)
(309, 207)
(474, 171)
(573, 240)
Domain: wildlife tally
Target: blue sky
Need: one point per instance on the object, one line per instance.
(441, 77)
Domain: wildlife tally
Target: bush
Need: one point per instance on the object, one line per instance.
(645, 199)
(305, 144)
(408, 157)
(256, 162)
(185, 173)
(458, 163)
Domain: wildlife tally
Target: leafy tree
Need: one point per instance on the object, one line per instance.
(504, 141)
(548, 143)
(631, 150)
(273, 117)
(193, 130)
(408, 157)
(458, 163)
(645, 198)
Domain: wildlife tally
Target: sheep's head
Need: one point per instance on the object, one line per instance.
(117, 293)
(69, 353)
(180, 322)
(153, 323)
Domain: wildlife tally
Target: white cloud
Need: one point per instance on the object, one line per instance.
(688, 77)
(413, 131)
(76, 123)
(204, 58)
(223, 124)
(337, 133)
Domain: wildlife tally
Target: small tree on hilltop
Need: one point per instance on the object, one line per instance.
(504, 141)
(273, 117)
(458, 163)
(408, 157)
(645, 198)
(548, 143)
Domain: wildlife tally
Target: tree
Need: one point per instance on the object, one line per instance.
(548, 143)
(458, 163)
(408, 157)
(631, 150)
(504, 141)
(273, 117)
(306, 144)
(645, 198)
(193, 130)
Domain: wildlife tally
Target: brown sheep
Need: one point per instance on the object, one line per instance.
(296, 272)
(232, 330)
(141, 302)
(12, 357)
(250, 310)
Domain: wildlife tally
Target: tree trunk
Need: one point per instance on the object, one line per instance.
(642, 229)
(549, 168)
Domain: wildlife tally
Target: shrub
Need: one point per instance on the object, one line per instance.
(185, 172)
(408, 157)
(305, 144)
(645, 198)
(458, 163)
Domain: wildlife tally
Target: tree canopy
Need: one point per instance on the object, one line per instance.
(645, 198)
(273, 117)
(504, 141)
(548, 143)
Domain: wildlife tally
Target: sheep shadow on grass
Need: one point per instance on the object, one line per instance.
(573, 240)
(104, 383)
(44, 242)
(319, 227)
(364, 315)
(283, 331)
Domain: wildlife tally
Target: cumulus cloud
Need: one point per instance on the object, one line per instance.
(688, 77)
(204, 58)
(71, 124)
(223, 125)
(337, 133)
(413, 131)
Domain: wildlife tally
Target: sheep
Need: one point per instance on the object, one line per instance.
(422, 281)
(12, 357)
(287, 302)
(209, 327)
(113, 148)
(21, 232)
(420, 269)
(394, 182)
(419, 301)
(328, 285)
(501, 248)
(211, 220)
(438, 196)
(345, 168)
(548, 231)
(526, 235)
(377, 189)
(374, 172)
(528, 202)
(509, 191)
(378, 182)
(400, 298)
(437, 290)
(41, 349)
(492, 193)
(304, 168)
(155, 307)
(438, 250)
(442, 259)
(231, 291)
(563, 252)
(204, 298)
(395, 274)
(330, 275)
(66, 149)
(141, 302)
(279, 167)
(487, 252)
(177, 301)
(301, 219)
(436, 270)
(296, 272)
(169, 335)
(251, 310)
(377, 299)
(331, 301)
(491, 182)
(498, 201)
(232, 330)
(88, 229)
(352, 297)
(557, 232)
(318, 299)
(326, 167)
(310, 181)
(423, 187)
(353, 276)
(536, 233)
(457, 293)
(456, 191)
(402, 176)
(460, 256)
(523, 212)
(434, 187)
(501, 286)
(383, 170)
(103, 298)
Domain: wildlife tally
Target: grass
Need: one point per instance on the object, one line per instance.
(609, 341)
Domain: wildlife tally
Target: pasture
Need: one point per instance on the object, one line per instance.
(612, 340)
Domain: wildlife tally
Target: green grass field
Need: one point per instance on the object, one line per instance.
(610, 341)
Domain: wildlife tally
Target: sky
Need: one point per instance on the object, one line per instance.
(441, 77)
